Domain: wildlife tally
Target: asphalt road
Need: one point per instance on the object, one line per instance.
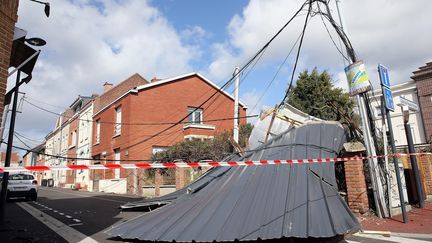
(88, 213)
(62, 215)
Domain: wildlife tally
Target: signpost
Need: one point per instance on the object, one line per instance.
(407, 106)
(388, 98)
(389, 106)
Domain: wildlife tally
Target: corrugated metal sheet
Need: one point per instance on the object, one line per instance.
(198, 184)
(259, 202)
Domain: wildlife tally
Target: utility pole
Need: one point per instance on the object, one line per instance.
(385, 151)
(370, 147)
(236, 105)
(9, 149)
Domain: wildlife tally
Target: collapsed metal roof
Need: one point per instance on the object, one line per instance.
(258, 202)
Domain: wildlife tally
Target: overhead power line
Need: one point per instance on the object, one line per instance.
(229, 81)
(140, 123)
(150, 160)
(298, 54)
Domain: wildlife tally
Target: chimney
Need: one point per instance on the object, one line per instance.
(107, 86)
(154, 79)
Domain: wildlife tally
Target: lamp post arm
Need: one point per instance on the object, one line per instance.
(24, 63)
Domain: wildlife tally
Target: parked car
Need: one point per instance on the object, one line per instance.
(22, 185)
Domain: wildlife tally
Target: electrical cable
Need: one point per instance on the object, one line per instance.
(331, 38)
(25, 144)
(141, 123)
(150, 160)
(340, 32)
(297, 56)
(226, 84)
(30, 139)
(276, 74)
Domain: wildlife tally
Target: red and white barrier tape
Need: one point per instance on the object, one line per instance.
(191, 164)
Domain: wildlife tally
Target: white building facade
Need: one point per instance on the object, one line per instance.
(407, 90)
(57, 146)
(84, 145)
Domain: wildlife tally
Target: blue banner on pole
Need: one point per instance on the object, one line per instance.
(388, 97)
(384, 76)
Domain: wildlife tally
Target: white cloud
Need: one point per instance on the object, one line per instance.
(91, 42)
(390, 32)
(254, 102)
(195, 34)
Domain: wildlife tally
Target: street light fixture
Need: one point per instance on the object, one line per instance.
(47, 6)
(35, 41)
(23, 57)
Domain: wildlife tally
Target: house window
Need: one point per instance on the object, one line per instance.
(97, 130)
(118, 120)
(195, 115)
(157, 149)
(117, 161)
(74, 135)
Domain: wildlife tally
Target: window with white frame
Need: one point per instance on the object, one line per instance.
(74, 136)
(195, 115)
(97, 130)
(118, 120)
(117, 161)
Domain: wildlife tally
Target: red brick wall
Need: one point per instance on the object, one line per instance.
(423, 78)
(163, 103)
(180, 178)
(15, 157)
(109, 96)
(356, 186)
(426, 164)
(73, 127)
(8, 18)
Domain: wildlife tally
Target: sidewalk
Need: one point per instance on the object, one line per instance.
(419, 222)
(20, 226)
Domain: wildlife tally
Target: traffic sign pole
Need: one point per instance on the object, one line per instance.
(385, 81)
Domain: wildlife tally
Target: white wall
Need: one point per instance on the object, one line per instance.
(57, 144)
(84, 144)
(409, 91)
(113, 186)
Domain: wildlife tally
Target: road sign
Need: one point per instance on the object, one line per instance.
(388, 97)
(410, 104)
(384, 76)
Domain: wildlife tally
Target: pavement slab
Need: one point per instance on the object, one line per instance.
(419, 221)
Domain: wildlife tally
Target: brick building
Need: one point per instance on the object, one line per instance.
(8, 18)
(16, 159)
(159, 101)
(423, 79)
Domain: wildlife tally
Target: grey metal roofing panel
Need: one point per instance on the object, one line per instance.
(259, 202)
(196, 185)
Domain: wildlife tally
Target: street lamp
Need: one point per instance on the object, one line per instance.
(47, 6)
(35, 41)
(23, 58)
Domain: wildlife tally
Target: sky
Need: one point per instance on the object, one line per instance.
(93, 42)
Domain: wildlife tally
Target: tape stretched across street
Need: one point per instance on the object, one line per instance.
(193, 164)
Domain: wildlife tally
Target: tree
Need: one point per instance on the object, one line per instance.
(315, 94)
(208, 149)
